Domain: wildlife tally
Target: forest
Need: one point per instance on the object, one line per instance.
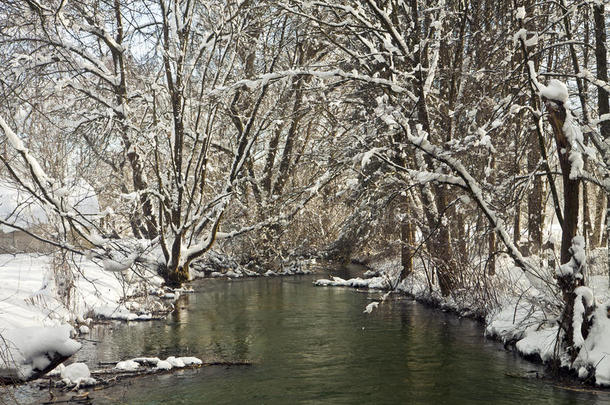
(457, 150)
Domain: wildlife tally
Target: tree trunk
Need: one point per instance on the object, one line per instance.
(443, 251)
(534, 197)
(567, 282)
(407, 240)
(491, 267)
(603, 103)
(598, 224)
(571, 205)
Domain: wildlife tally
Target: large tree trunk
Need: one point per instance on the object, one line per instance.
(603, 102)
(566, 281)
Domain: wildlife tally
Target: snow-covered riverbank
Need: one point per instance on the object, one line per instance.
(46, 300)
(523, 311)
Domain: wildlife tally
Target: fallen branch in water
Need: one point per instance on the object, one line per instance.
(109, 376)
(74, 399)
(204, 364)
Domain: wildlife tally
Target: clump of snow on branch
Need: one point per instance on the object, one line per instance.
(555, 90)
(520, 14)
(577, 262)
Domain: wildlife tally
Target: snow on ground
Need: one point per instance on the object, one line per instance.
(30, 351)
(33, 286)
(523, 310)
(41, 298)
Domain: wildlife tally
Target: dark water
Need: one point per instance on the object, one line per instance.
(314, 345)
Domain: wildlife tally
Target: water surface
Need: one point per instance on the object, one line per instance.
(313, 345)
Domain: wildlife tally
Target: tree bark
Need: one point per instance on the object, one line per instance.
(534, 197)
(567, 282)
(603, 103)
(407, 241)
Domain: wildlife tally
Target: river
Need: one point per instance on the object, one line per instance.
(312, 345)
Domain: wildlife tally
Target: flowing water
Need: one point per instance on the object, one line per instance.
(312, 345)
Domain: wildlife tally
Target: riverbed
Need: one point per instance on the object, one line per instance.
(312, 345)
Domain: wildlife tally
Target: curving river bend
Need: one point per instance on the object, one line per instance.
(314, 345)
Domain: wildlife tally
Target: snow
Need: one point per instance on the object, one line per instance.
(595, 350)
(586, 293)
(29, 294)
(189, 361)
(367, 156)
(555, 90)
(577, 319)
(369, 308)
(378, 283)
(539, 342)
(147, 360)
(520, 14)
(577, 260)
(77, 374)
(34, 317)
(157, 363)
(519, 35)
(574, 135)
(163, 365)
(30, 350)
(175, 362)
(127, 365)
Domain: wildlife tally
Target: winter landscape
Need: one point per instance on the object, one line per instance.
(363, 201)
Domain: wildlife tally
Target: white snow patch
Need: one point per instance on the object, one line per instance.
(163, 365)
(77, 374)
(175, 362)
(127, 365)
(378, 283)
(540, 342)
(555, 90)
(29, 350)
(369, 308)
(189, 361)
